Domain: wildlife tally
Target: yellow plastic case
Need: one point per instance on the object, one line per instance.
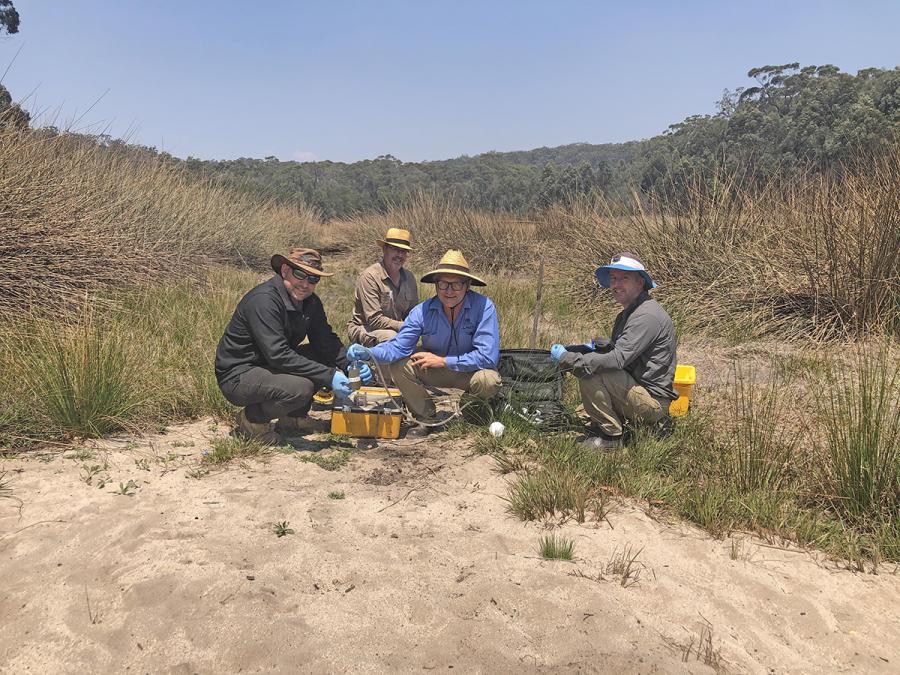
(379, 419)
(685, 378)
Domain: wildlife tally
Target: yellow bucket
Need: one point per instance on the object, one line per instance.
(685, 378)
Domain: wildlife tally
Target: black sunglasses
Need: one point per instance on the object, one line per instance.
(303, 276)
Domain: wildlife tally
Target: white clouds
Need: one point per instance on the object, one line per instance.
(304, 156)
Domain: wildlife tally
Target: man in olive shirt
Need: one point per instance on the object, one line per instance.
(385, 293)
(631, 375)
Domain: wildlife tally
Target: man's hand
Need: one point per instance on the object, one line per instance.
(365, 373)
(340, 385)
(356, 352)
(556, 352)
(428, 360)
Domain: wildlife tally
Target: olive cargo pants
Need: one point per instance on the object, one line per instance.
(412, 380)
(612, 396)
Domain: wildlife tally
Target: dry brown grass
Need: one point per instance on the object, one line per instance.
(491, 241)
(79, 218)
(817, 258)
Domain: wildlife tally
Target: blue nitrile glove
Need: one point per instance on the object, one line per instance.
(589, 344)
(556, 352)
(356, 352)
(340, 385)
(365, 373)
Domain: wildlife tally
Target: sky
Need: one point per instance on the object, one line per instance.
(417, 79)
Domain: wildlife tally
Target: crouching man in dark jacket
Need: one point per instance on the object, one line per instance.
(630, 377)
(261, 364)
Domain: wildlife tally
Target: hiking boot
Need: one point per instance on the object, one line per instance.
(665, 427)
(300, 425)
(601, 442)
(418, 431)
(256, 431)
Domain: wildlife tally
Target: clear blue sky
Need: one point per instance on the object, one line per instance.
(417, 79)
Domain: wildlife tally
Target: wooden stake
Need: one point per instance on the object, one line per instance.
(537, 304)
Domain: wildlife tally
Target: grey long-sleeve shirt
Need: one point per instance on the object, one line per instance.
(643, 343)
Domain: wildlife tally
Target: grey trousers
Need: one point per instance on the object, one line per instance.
(267, 395)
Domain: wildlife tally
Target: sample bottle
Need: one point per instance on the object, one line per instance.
(353, 376)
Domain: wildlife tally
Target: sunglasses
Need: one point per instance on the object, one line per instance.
(303, 276)
(455, 285)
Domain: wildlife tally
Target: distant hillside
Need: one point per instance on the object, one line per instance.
(792, 119)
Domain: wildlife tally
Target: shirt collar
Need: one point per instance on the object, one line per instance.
(282, 291)
(434, 305)
(387, 277)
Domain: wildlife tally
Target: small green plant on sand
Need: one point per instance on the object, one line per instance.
(552, 547)
(625, 564)
(127, 489)
(331, 462)
(183, 444)
(336, 494)
(225, 449)
(142, 464)
(281, 528)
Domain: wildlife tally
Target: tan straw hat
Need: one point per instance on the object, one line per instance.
(306, 259)
(453, 262)
(397, 238)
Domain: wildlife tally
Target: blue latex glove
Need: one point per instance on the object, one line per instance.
(556, 352)
(340, 385)
(365, 373)
(356, 352)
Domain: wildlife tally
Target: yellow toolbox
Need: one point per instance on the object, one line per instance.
(685, 378)
(373, 415)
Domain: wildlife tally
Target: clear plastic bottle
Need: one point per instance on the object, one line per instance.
(353, 376)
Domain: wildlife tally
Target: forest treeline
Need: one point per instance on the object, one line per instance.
(792, 119)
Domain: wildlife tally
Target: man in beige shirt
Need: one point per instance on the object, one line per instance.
(385, 293)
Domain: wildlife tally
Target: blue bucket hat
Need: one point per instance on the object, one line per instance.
(627, 262)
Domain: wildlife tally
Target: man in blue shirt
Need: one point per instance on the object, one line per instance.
(460, 342)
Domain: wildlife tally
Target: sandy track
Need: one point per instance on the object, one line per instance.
(418, 568)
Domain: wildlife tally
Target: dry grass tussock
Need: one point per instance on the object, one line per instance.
(77, 218)
(490, 241)
(817, 258)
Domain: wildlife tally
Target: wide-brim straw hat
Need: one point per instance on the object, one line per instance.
(397, 238)
(307, 259)
(453, 262)
(627, 262)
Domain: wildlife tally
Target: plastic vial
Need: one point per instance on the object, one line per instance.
(353, 376)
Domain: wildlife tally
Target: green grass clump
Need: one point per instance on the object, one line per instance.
(226, 449)
(548, 492)
(85, 379)
(336, 494)
(860, 416)
(552, 547)
(330, 462)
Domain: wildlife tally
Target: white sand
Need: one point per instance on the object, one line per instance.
(418, 568)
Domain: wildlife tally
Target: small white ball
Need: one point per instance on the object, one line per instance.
(497, 429)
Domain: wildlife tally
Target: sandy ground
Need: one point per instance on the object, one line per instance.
(419, 567)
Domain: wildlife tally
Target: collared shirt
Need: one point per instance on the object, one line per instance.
(643, 344)
(266, 331)
(380, 305)
(472, 343)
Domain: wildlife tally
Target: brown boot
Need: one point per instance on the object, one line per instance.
(298, 426)
(255, 431)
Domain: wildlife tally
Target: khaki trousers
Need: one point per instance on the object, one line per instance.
(369, 338)
(412, 380)
(613, 395)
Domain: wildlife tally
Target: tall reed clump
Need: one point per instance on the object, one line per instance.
(79, 217)
(491, 241)
(80, 378)
(859, 448)
(817, 257)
